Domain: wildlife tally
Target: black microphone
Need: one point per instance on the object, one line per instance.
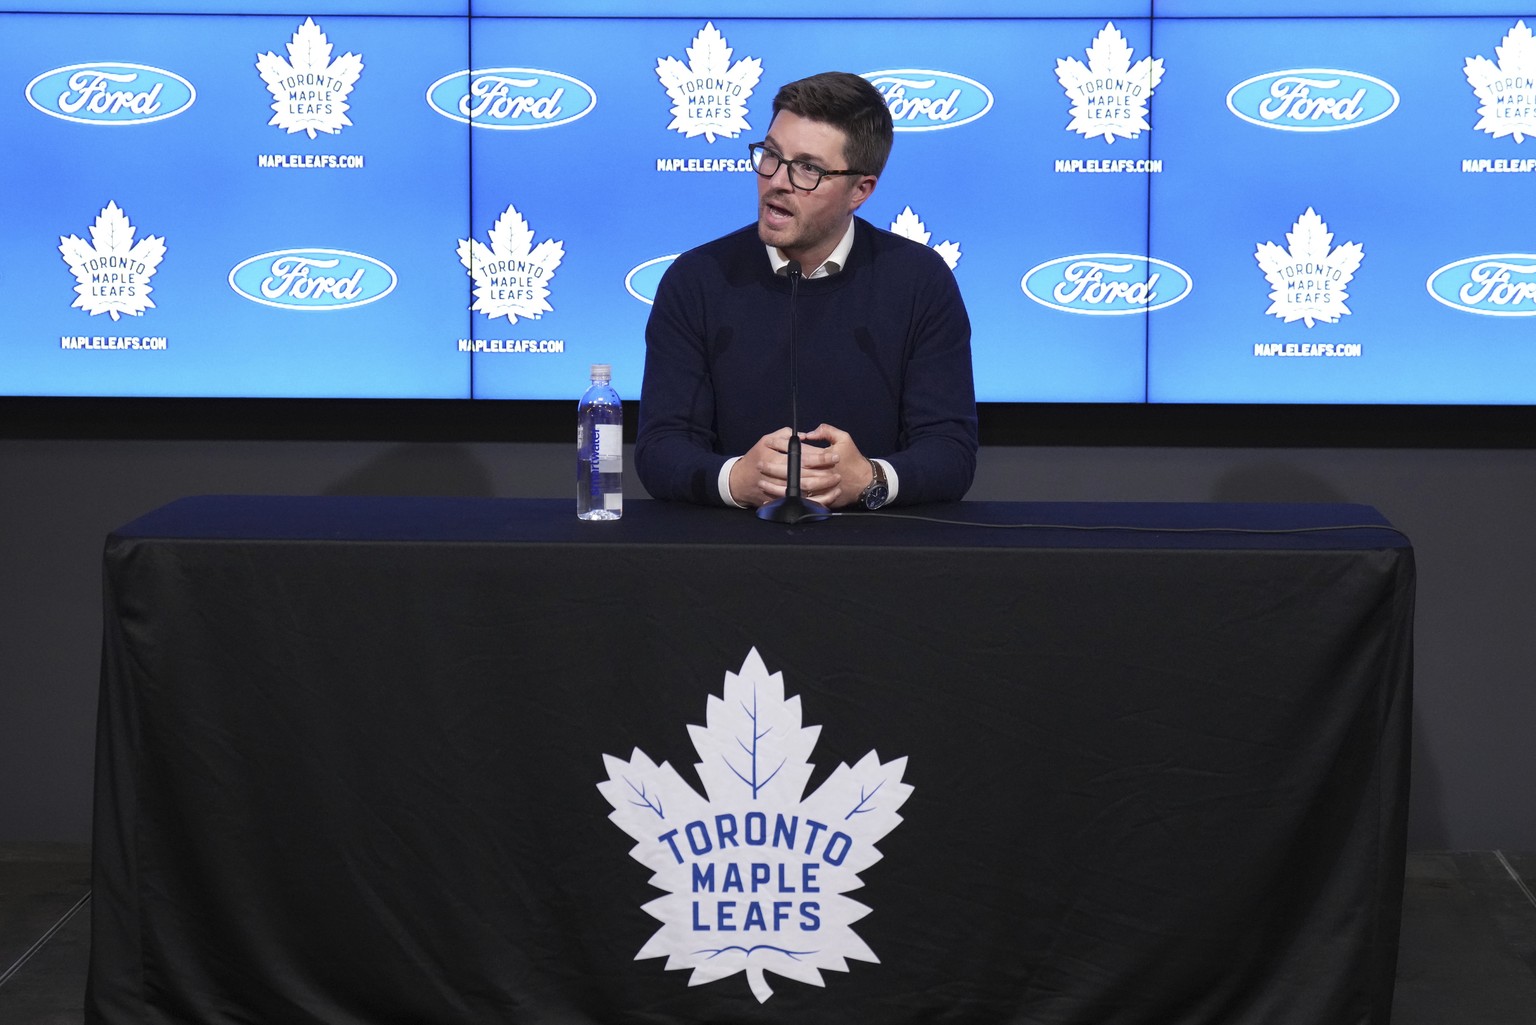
(792, 508)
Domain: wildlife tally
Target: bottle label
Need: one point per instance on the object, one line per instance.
(610, 448)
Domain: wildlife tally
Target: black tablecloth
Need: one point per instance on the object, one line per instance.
(385, 760)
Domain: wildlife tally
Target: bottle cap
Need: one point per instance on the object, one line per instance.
(602, 372)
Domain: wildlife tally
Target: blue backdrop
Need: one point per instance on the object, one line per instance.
(1157, 202)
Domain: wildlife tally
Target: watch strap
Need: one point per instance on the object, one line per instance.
(877, 492)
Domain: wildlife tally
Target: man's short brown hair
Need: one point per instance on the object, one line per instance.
(847, 102)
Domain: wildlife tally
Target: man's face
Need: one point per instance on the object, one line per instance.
(807, 226)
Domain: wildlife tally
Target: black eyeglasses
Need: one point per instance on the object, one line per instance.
(802, 175)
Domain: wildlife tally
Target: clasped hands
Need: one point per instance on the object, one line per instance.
(834, 473)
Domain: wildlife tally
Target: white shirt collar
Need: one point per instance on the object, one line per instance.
(835, 261)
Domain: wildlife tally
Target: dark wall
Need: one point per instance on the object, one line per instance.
(1469, 513)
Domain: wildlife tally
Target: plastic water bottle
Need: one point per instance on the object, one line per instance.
(600, 449)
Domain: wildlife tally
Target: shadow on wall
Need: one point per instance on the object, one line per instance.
(419, 470)
(1426, 798)
(471, 470)
(1273, 482)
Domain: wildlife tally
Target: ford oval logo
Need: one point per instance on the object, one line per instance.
(110, 94)
(313, 279)
(1312, 100)
(644, 279)
(511, 99)
(1503, 285)
(1106, 284)
(925, 101)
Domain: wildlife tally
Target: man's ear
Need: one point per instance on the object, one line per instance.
(863, 188)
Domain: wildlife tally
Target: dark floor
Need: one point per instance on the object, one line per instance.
(45, 932)
(1467, 957)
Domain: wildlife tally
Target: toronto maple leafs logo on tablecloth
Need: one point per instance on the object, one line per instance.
(908, 225)
(755, 872)
(1309, 279)
(709, 94)
(511, 275)
(1506, 91)
(1109, 96)
(112, 271)
(309, 89)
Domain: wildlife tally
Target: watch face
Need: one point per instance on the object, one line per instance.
(876, 495)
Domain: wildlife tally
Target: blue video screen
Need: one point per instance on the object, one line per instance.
(1142, 202)
(1348, 203)
(165, 237)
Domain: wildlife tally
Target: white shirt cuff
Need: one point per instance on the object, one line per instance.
(723, 482)
(892, 482)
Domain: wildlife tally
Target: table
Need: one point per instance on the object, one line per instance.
(385, 760)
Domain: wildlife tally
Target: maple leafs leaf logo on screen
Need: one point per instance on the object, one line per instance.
(755, 872)
(1109, 96)
(309, 90)
(112, 271)
(709, 93)
(511, 275)
(1507, 90)
(1310, 278)
(908, 225)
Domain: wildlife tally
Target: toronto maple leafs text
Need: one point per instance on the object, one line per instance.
(112, 271)
(701, 839)
(1506, 88)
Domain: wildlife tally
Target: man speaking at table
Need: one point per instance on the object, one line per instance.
(883, 339)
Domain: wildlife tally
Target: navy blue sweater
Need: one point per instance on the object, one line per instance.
(884, 354)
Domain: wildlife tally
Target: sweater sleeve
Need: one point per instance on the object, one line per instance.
(936, 457)
(675, 453)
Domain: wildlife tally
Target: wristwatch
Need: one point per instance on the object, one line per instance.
(877, 493)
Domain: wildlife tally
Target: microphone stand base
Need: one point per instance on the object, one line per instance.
(793, 509)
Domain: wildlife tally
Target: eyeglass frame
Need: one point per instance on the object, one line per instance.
(785, 162)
